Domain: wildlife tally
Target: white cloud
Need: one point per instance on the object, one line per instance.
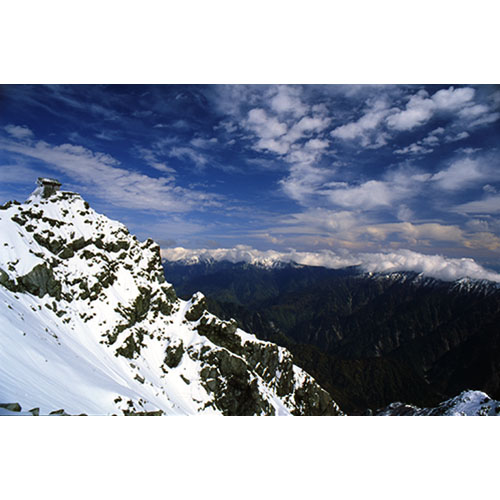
(18, 131)
(199, 142)
(416, 233)
(457, 137)
(485, 119)
(368, 195)
(100, 174)
(306, 125)
(473, 111)
(375, 127)
(418, 111)
(488, 205)
(273, 145)
(287, 100)
(303, 181)
(151, 158)
(453, 99)
(365, 127)
(459, 175)
(265, 126)
(316, 144)
(404, 213)
(320, 220)
(435, 266)
(189, 154)
(421, 108)
(414, 149)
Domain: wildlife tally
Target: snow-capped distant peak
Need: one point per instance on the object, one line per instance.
(433, 266)
(467, 403)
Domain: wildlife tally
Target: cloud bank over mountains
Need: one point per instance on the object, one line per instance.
(434, 266)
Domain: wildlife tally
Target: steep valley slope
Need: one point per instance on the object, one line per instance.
(369, 339)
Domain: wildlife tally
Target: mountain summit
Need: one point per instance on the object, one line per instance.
(89, 325)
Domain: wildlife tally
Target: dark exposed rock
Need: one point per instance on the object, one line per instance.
(54, 246)
(116, 246)
(11, 406)
(7, 282)
(40, 281)
(155, 413)
(78, 244)
(235, 392)
(221, 333)
(132, 345)
(18, 220)
(196, 310)
(314, 401)
(173, 354)
(61, 412)
(66, 253)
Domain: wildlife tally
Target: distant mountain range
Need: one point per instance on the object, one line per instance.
(369, 339)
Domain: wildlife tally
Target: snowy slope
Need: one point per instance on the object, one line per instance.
(88, 324)
(467, 403)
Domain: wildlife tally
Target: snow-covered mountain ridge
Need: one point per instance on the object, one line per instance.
(467, 403)
(394, 262)
(89, 325)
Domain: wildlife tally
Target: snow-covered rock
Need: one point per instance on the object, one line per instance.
(467, 403)
(89, 325)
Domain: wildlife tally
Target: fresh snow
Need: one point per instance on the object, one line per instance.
(434, 266)
(467, 403)
(57, 354)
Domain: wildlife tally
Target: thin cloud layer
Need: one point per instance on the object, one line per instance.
(102, 174)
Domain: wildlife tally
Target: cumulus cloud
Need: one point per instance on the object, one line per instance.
(460, 174)
(425, 146)
(306, 125)
(287, 100)
(365, 127)
(265, 126)
(304, 181)
(308, 183)
(380, 122)
(421, 108)
(435, 266)
(418, 111)
(368, 195)
(452, 99)
(414, 149)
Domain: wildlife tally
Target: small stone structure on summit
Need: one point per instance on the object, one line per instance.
(50, 186)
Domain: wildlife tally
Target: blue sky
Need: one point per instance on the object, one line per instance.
(359, 168)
